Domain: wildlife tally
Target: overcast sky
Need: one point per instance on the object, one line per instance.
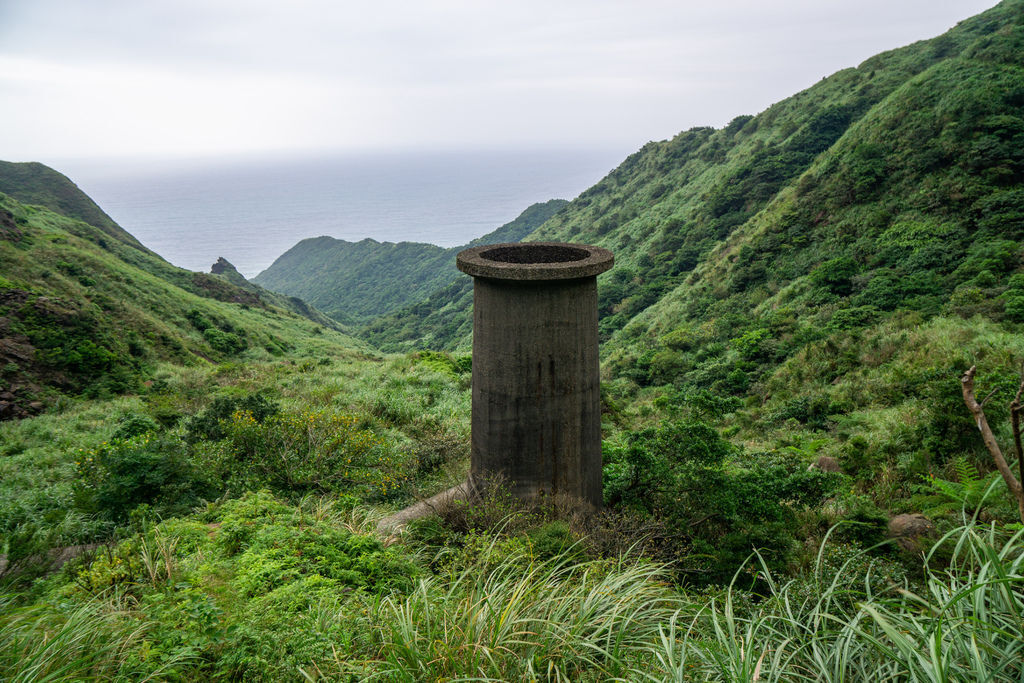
(184, 78)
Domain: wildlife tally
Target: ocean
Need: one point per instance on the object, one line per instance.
(250, 212)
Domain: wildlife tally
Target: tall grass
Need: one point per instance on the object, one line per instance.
(966, 623)
(525, 620)
(555, 621)
(94, 641)
(510, 617)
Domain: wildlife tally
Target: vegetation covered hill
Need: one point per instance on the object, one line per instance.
(825, 270)
(805, 283)
(852, 289)
(82, 312)
(355, 281)
(928, 132)
(35, 183)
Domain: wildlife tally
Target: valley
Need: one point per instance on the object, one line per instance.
(793, 486)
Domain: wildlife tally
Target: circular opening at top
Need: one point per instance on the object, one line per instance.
(535, 253)
(539, 261)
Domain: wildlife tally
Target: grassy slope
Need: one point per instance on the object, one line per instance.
(846, 309)
(357, 281)
(34, 183)
(85, 313)
(226, 271)
(435, 320)
(870, 282)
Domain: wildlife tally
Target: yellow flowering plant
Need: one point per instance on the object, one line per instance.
(311, 450)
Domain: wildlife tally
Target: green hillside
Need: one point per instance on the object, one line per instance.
(35, 183)
(929, 131)
(356, 281)
(226, 271)
(80, 312)
(824, 270)
(794, 489)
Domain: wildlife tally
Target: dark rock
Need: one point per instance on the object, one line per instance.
(14, 297)
(54, 558)
(9, 230)
(221, 266)
(826, 464)
(223, 290)
(911, 531)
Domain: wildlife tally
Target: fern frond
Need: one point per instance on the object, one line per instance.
(966, 473)
(953, 490)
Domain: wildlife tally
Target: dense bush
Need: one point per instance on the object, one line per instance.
(836, 275)
(72, 349)
(210, 423)
(447, 364)
(311, 451)
(719, 512)
(151, 469)
(226, 342)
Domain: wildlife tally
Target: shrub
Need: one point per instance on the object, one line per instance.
(122, 474)
(306, 452)
(275, 543)
(280, 553)
(718, 513)
(863, 523)
(752, 345)
(227, 343)
(853, 318)
(552, 540)
(198, 320)
(1013, 309)
(209, 424)
(444, 363)
(303, 624)
(836, 275)
(812, 411)
(434, 450)
(134, 424)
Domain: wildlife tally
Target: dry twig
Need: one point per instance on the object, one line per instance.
(967, 384)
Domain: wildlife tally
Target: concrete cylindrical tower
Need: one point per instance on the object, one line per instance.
(536, 422)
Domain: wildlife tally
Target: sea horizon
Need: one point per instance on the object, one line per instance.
(252, 210)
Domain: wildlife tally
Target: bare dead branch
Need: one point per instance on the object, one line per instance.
(967, 385)
(1015, 423)
(990, 395)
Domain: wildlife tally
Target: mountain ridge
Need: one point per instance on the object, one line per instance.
(35, 183)
(356, 281)
(82, 313)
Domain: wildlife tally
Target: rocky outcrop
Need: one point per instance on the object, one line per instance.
(223, 290)
(826, 463)
(9, 229)
(911, 532)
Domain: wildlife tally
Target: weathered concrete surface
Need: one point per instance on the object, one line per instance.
(534, 261)
(536, 421)
(394, 522)
(55, 557)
